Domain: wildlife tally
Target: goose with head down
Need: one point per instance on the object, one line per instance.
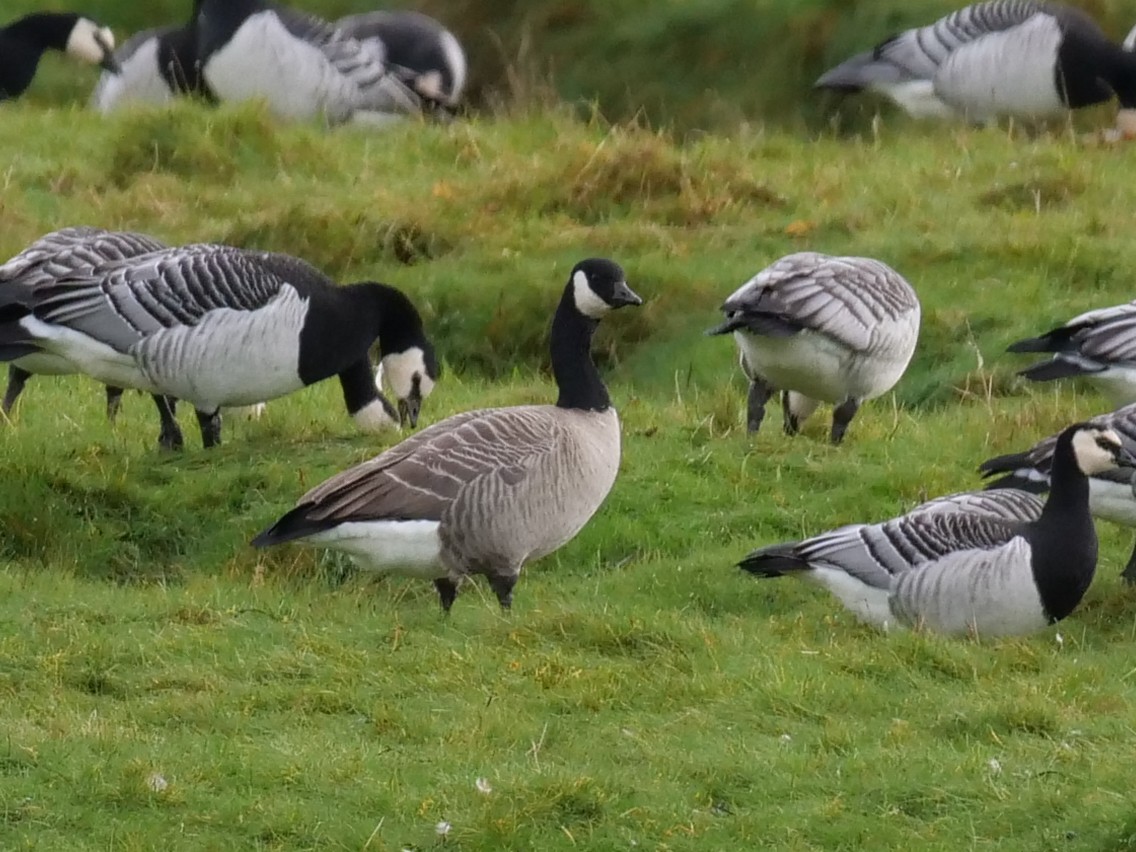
(23, 43)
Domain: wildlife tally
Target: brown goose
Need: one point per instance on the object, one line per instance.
(485, 491)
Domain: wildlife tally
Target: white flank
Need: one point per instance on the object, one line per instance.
(867, 603)
(91, 356)
(1117, 382)
(83, 43)
(264, 60)
(587, 302)
(917, 98)
(46, 364)
(410, 548)
(373, 417)
(1112, 501)
(139, 82)
(455, 58)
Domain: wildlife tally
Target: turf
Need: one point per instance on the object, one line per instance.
(165, 686)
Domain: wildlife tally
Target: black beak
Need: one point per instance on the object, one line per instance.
(108, 63)
(408, 410)
(623, 295)
(1125, 456)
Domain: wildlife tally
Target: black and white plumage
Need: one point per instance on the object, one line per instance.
(1099, 346)
(425, 55)
(47, 260)
(155, 66)
(958, 572)
(219, 326)
(302, 66)
(1007, 504)
(23, 42)
(484, 492)
(1111, 496)
(1021, 58)
(822, 329)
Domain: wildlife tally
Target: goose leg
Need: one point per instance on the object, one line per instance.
(17, 378)
(792, 421)
(447, 591)
(841, 416)
(502, 586)
(169, 438)
(210, 428)
(114, 401)
(1129, 572)
(759, 393)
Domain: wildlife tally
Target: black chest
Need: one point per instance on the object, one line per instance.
(1081, 76)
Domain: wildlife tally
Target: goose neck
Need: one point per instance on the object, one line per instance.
(42, 30)
(570, 346)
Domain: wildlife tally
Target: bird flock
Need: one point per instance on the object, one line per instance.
(486, 491)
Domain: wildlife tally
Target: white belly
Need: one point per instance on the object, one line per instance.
(139, 82)
(868, 603)
(1112, 501)
(1118, 383)
(90, 356)
(917, 98)
(410, 548)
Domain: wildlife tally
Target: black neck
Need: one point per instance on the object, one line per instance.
(1121, 65)
(217, 20)
(44, 30)
(400, 324)
(1063, 541)
(571, 346)
(358, 383)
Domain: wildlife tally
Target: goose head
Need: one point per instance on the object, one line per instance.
(410, 376)
(93, 44)
(1098, 450)
(600, 286)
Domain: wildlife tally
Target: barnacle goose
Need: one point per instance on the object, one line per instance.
(425, 55)
(485, 491)
(156, 65)
(964, 572)
(821, 329)
(302, 66)
(50, 258)
(1022, 58)
(1007, 504)
(220, 326)
(1111, 495)
(1098, 345)
(24, 41)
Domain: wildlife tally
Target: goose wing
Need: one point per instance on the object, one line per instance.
(1008, 504)
(842, 297)
(121, 302)
(477, 453)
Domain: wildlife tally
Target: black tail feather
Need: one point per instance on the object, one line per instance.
(1058, 368)
(1055, 340)
(1014, 470)
(292, 526)
(776, 560)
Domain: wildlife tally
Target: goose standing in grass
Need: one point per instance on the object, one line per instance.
(156, 66)
(1111, 496)
(1020, 58)
(822, 329)
(44, 262)
(485, 491)
(302, 66)
(220, 326)
(23, 42)
(425, 55)
(963, 572)
(1099, 346)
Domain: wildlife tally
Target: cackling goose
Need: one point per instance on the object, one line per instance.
(962, 572)
(1021, 58)
(821, 328)
(220, 326)
(1111, 495)
(302, 66)
(486, 491)
(1099, 346)
(24, 41)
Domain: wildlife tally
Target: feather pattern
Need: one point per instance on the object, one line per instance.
(1008, 504)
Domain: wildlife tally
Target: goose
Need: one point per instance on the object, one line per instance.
(24, 41)
(54, 256)
(821, 328)
(221, 326)
(425, 55)
(1098, 345)
(1111, 496)
(156, 66)
(1007, 504)
(486, 491)
(961, 572)
(1020, 58)
(301, 65)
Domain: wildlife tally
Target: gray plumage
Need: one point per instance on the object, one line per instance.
(486, 491)
(1007, 504)
(822, 329)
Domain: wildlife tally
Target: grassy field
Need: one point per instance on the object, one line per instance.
(165, 686)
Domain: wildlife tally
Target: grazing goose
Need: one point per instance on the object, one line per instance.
(1099, 345)
(961, 572)
(302, 66)
(1000, 58)
(47, 260)
(425, 55)
(486, 491)
(220, 326)
(1111, 495)
(821, 329)
(24, 41)
(156, 66)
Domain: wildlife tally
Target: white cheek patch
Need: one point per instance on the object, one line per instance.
(587, 302)
(398, 371)
(83, 45)
(1091, 457)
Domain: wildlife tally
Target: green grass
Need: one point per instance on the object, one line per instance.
(162, 685)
